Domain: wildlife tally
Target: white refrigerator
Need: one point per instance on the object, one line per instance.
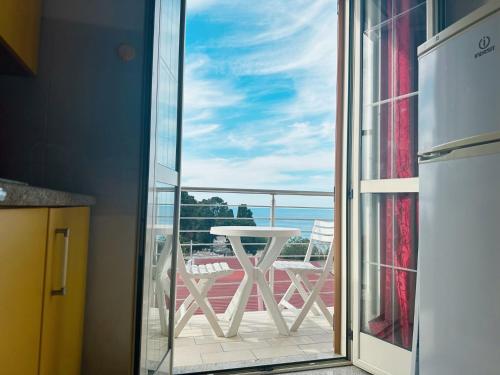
(459, 214)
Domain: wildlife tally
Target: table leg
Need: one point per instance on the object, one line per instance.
(237, 306)
(228, 314)
(271, 305)
(240, 303)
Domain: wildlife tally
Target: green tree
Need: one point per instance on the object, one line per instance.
(215, 212)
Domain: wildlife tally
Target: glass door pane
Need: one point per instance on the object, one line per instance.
(163, 190)
(389, 253)
(391, 31)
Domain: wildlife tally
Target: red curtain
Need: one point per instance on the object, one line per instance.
(398, 161)
(404, 164)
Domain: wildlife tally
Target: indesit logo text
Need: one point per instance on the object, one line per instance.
(484, 46)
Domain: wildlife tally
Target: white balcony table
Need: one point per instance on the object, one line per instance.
(255, 273)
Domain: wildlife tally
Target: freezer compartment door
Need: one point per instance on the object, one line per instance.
(459, 274)
(459, 86)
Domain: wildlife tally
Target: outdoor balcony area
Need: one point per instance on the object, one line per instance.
(257, 340)
(257, 344)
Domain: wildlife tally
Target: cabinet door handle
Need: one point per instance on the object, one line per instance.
(62, 290)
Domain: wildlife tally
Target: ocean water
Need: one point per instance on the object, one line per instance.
(301, 218)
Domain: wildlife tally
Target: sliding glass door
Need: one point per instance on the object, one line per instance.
(163, 196)
(386, 173)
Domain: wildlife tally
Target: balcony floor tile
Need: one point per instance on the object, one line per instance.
(258, 343)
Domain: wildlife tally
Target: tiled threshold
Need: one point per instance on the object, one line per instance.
(346, 370)
(207, 368)
(258, 343)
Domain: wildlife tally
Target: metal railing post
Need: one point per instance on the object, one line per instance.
(273, 223)
(273, 210)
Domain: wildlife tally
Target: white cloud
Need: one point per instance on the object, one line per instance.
(291, 145)
(203, 94)
(271, 172)
(307, 57)
(294, 39)
(305, 136)
(199, 130)
(239, 141)
(276, 19)
(194, 6)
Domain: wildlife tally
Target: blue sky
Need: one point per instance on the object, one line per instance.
(259, 99)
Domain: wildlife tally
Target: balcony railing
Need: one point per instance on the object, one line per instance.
(284, 208)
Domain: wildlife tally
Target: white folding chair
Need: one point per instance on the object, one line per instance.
(298, 272)
(198, 279)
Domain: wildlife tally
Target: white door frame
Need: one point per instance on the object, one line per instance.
(369, 353)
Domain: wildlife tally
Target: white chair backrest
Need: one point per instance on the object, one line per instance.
(322, 233)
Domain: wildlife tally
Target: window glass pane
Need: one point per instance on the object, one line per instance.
(166, 117)
(389, 258)
(389, 229)
(389, 140)
(156, 349)
(175, 38)
(393, 29)
(377, 315)
(388, 303)
(165, 49)
(157, 270)
(404, 302)
(376, 12)
(390, 56)
(409, 34)
(401, 6)
(168, 82)
(380, 11)
(377, 64)
(163, 116)
(389, 123)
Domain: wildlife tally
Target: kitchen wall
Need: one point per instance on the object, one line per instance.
(77, 126)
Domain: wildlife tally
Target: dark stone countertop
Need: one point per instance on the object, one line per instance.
(21, 195)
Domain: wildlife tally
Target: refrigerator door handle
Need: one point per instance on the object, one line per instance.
(474, 150)
(447, 147)
(428, 156)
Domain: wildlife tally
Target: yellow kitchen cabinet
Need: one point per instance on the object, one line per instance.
(42, 289)
(23, 239)
(19, 35)
(64, 295)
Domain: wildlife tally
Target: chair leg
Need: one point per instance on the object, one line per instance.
(286, 297)
(184, 318)
(308, 304)
(204, 306)
(186, 304)
(319, 302)
(183, 308)
(203, 286)
(296, 280)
